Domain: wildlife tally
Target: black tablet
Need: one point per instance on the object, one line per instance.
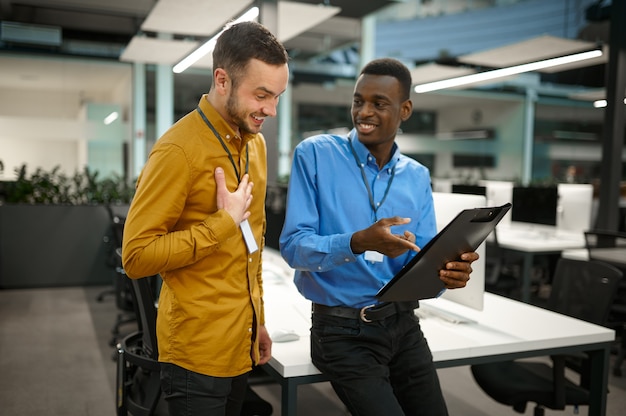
(419, 278)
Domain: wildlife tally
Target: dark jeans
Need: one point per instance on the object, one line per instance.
(192, 394)
(380, 368)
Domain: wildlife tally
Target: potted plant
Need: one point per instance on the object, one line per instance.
(54, 227)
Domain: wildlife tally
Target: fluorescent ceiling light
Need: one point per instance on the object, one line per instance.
(602, 103)
(505, 72)
(111, 118)
(208, 46)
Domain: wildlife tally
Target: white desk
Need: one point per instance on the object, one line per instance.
(535, 241)
(505, 329)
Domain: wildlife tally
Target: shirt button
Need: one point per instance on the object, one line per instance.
(228, 136)
(319, 267)
(249, 329)
(346, 260)
(250, 259)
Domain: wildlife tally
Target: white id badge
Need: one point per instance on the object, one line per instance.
(248, 236)
(374, 256)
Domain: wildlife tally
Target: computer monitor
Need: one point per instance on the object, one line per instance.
(535, 204)
(499, 193)
(458, 188)
(447, 206)
(575, 207)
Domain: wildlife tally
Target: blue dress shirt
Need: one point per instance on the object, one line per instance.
(328, 201)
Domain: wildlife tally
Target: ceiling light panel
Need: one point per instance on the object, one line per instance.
(293, 19)
(157, 51)
(192, 17)
(436, 72)
(535, 49)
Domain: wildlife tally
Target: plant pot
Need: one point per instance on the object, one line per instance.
(53, 246)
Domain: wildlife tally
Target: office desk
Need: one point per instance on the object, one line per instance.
(535, 242)
(504, 330)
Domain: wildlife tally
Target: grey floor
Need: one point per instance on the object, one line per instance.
(55, 360)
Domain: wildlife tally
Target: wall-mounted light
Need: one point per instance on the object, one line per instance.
(208, 46)
(602, 103)
(505, 72)
(111, 118)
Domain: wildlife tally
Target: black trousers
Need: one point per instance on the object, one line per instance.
(192, 394)
(378, 368)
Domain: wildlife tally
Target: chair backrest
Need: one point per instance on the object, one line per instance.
(604, 239)
(584, 289)
(117, 216)
(147, 313)
(143, 294)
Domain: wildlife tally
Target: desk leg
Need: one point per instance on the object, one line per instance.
(289, 398)
(527, 268)
(599, 381)
(289, 388)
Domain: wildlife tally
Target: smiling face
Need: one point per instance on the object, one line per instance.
(254, 95)
(378, 108)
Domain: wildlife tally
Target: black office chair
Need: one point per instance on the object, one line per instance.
(138, 371)
(121, 289)
(599, 239)
(112, 240)
(125, 303)
(581, 289)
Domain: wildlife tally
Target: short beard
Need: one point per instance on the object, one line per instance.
(232, 109)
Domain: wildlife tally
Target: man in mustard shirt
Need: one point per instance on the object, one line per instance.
(197, 220)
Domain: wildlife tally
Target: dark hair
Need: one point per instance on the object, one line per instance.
(393, 68)
(241, 42)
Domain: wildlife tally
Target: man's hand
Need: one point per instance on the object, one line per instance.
(265, 346)
(457, 273)
(235, 203)
(378, 237)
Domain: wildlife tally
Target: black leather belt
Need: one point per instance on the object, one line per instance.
(367, 313)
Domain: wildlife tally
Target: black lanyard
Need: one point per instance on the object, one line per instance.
(367, 186)
(230, 156)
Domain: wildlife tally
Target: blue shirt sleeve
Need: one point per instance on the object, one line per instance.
(301, 243)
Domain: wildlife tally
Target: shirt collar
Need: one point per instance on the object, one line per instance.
(223, 128)
(364, 154)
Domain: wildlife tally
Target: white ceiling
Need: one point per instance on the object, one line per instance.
(202, 18)
(306, 25)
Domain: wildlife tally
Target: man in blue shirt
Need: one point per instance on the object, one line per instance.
(357, 211)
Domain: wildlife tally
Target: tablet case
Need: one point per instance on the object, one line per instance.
(419, 278)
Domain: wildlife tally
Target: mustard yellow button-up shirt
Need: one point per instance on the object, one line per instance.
(210, 305)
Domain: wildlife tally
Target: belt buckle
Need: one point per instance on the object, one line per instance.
(363, 311)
